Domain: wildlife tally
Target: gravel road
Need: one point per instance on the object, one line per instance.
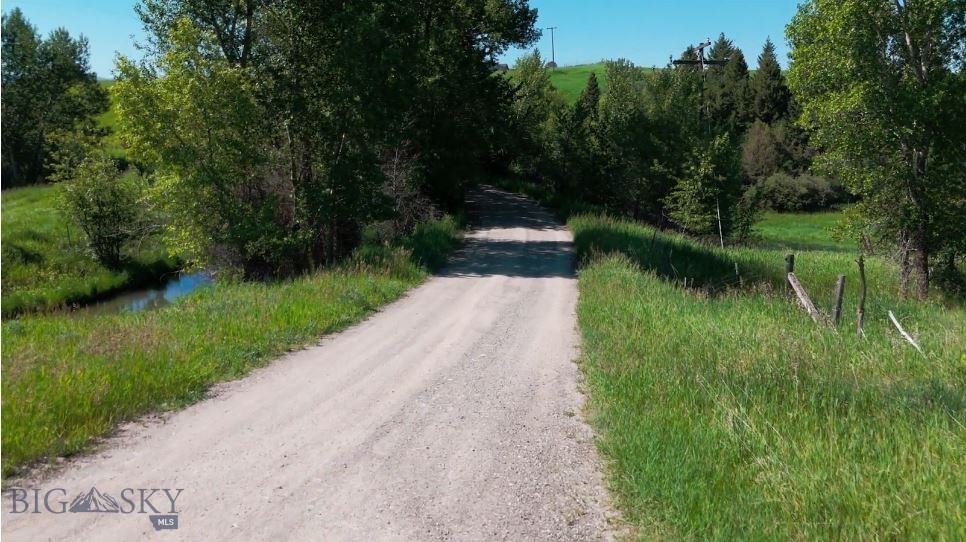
(452, 414)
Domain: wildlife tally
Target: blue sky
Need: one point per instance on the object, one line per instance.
(645, 31)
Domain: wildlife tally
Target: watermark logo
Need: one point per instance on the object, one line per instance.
(94, 501)
(159, 504)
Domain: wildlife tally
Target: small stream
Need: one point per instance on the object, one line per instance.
(148, 298)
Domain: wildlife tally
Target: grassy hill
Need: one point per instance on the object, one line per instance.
(108, 119)
(571, 80)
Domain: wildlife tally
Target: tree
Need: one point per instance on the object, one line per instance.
(710, 182)
(770, 93)
(761, 153)
(727, 97)
(106, 205)
(625, 145)
(294, 124)
(47, 87)
(588, 104)
(881, 83)
(536, 107)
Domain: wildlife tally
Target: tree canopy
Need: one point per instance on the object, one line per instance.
(48, 87)
(881, 83)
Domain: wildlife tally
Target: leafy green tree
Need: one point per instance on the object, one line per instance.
(881, 83)
(538, 105)
(625, 144)
(710, 181)
(47, 87)
(293, 123)
(761, 153)
(200, 129)
(587, 106)
(771, 94)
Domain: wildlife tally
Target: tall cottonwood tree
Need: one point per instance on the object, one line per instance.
(881, 83)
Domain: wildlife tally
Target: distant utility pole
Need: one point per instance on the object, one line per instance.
(553, 53)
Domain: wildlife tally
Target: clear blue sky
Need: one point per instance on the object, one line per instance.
(644, 31)
(647, 32)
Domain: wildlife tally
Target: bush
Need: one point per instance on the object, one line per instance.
(106, 205)
(782, 192)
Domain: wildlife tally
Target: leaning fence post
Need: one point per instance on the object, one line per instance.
(837, 302)
(789, 268)
(804, 299)
(860, 310)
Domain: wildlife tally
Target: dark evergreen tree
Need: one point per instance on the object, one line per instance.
(727, 95)
(771, 94)
(588, 104)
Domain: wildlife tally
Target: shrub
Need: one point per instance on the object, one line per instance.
(106, 205)
(782, 192)
(761, 153)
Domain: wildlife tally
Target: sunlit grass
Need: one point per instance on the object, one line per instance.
(725, 413)
(69, 380)
(802, 231)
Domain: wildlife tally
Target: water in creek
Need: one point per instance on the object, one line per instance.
(149, 298)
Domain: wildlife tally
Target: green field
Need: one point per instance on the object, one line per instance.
(67, 380)
(723, 412)
(802, 231)
(46, 264)
(108, 121)
(571, 80)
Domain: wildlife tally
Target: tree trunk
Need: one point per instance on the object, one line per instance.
(919, 240)
(904, 267)
(919, 243)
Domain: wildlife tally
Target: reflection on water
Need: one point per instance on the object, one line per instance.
(149, 298)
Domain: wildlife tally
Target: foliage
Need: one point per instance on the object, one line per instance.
(106, 205)
(770, 93)
(271, 126)
(624, 144)
(536, 107)
(887, 110)
(710, 183)
(806, 192)
(770, 148)
(727, 96)
(47, 87)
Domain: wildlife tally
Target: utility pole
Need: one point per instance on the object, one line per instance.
(553, 52)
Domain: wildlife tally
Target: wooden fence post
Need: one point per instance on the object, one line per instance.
(837, 302)
(789, 268)
(804, 300)
(860, 310)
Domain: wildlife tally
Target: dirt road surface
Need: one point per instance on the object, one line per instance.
(452, 414)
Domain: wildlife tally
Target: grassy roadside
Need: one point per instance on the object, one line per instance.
(68, 380)
(729, 415)
(46, 264)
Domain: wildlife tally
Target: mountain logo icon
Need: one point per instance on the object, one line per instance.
(94, 501)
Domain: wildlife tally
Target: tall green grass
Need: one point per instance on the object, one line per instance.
(725, 413)
(46, 264)
(69, 380)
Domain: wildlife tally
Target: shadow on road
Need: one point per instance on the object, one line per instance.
(510, 253)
